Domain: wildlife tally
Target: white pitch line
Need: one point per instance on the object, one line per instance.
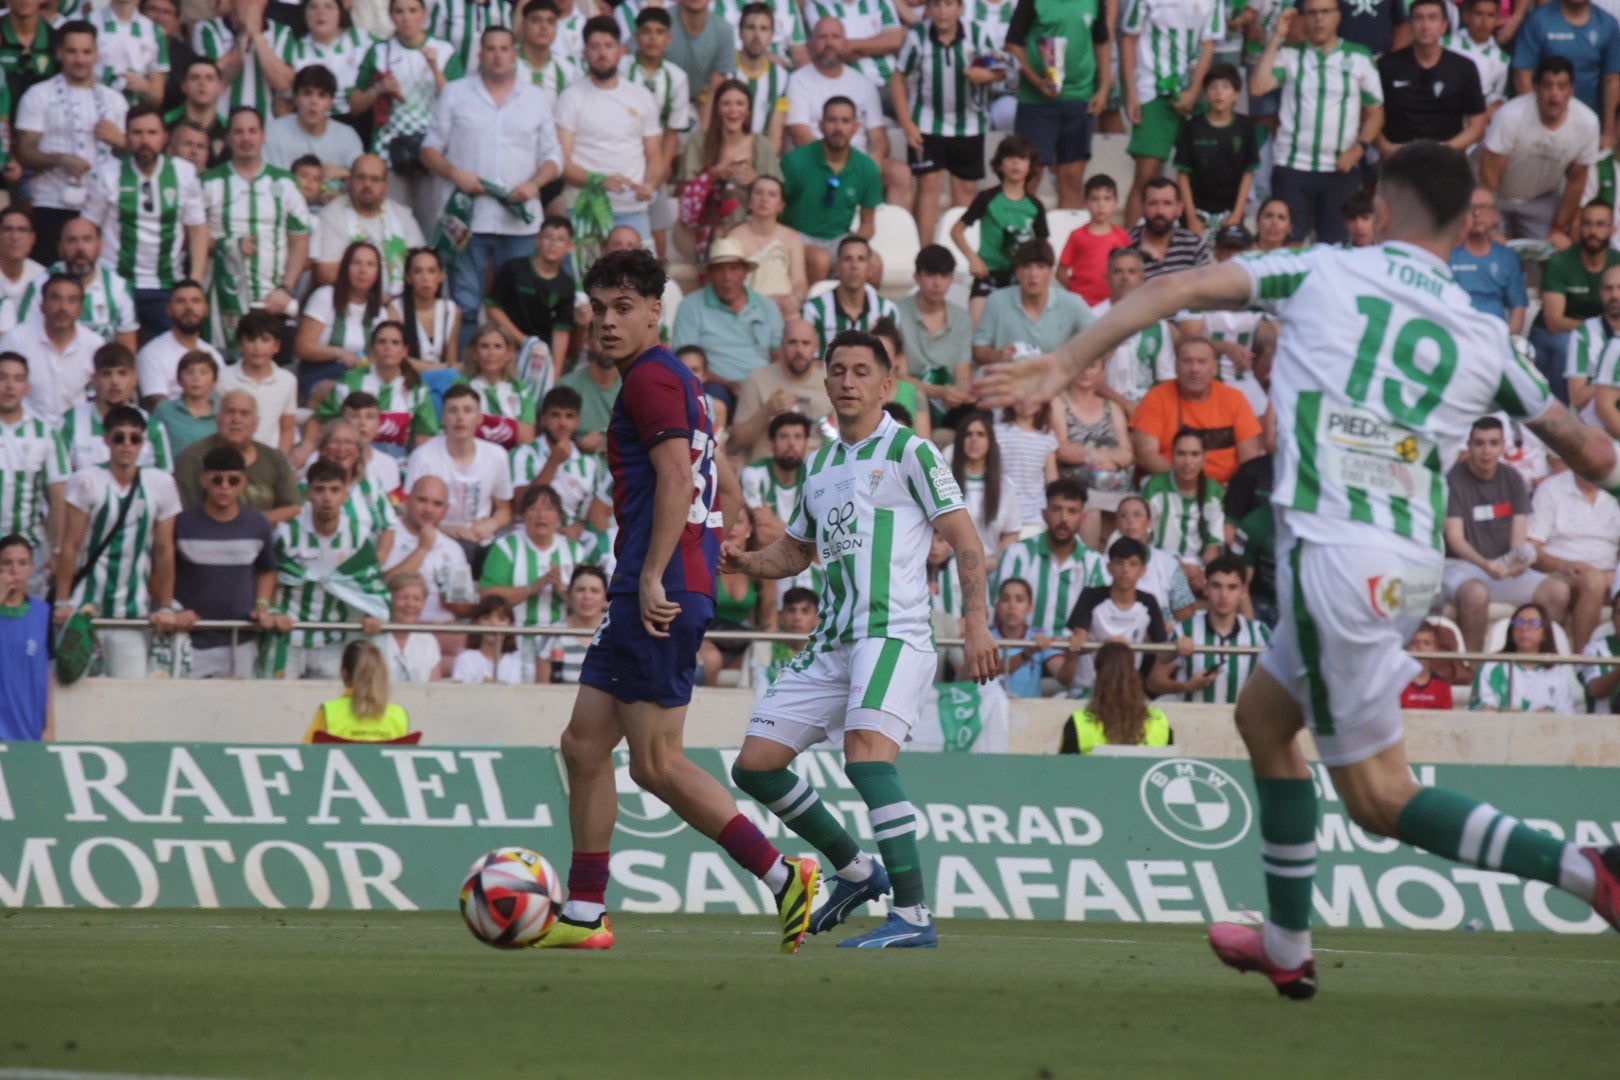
(77, 1074)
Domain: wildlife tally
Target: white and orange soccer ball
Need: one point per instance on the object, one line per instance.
(510, 898)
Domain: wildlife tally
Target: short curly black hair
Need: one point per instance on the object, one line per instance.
(638, 270)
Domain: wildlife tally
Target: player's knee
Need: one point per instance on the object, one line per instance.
(1376, 807)
(651, 771)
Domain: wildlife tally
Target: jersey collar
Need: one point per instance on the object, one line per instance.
(1402, 250)
(885, 426)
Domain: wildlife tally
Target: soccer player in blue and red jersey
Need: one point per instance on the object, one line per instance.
(636, 680)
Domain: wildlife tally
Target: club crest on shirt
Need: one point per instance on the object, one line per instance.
(874, 478)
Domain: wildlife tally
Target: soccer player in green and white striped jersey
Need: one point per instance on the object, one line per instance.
(113, 383)
(33, 462)
(1056, 563)
(939, 96)
(870, 500)
(765, 77)
(1332, 106)
(260, 225)
(251, 53)
(150, 205)
(328, 572)
(117, 553)
(1380, 361)
(852, 304)
(1212, 678)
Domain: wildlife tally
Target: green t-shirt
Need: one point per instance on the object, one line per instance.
(1044, 27)
(1004, 224)
(1565, 274)
(821, 203)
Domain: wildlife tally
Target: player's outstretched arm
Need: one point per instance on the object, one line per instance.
(1041, 378)
(979, 651)
(1586, 449)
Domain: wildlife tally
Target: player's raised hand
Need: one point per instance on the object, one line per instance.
(734, 547)
(1027, 382)
(979, 653)
(657, 610)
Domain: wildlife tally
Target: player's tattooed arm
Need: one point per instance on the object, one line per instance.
(1586, 449)
(783, 559)
(979, 656)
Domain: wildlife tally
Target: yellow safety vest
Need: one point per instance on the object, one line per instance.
(1088, 731)
(342, 723)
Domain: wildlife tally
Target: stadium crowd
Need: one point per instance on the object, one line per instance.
(291, 332)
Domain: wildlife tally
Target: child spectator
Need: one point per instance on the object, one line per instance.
(363, 713)
(533, 297)
(1212, 678)
(1164, 575)
(1113, 612)
(1118, 713)
(1217, 155)
(1359, 220)
(362, 411)
(587, 603)
(799, 615)
(1427, 690)
(532, 567)
(190, 417)
(1188, 521)
(275, 389)
(1083, 266)
(310, 175)
(944, 120)
(1021, 666)
(1010, 214)
(411, 656)
(508, 405)
(490, 657)
(554, 460)
(1517, 683)
(1028, 456)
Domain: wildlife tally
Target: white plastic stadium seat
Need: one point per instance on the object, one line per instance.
(1060, 223)
(672, 303)
(821, 288)
(894, 237)
(942, 235)
(1108, 158)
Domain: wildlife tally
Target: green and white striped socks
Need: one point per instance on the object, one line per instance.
(894, 827)
(1466, 830)
(1288, 853)
(792, 799)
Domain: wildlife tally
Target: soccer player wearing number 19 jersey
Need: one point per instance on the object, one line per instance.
(1381, 361)
(636, 679)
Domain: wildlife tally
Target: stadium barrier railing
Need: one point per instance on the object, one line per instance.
(240, 627)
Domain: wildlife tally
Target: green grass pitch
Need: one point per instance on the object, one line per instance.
(371, 994)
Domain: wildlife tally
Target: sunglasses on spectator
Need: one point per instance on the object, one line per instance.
(128, 438)
(226, 479)
(1524, 623)
(833, 184)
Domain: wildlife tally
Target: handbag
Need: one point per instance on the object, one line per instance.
(405, 154)
(76, 642)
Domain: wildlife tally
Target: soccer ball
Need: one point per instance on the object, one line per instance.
(510, 898)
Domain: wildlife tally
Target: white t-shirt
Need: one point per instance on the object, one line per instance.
(65, 117)
(394, 231)
(1537, 157)
(473, 488)
(415, 660)
(609, 126)
(473, 666)
(277, 396)
(808, 90)
(158, 364)
(11, 291)
(440, 569)
(1009, 512)
(351, 330)
(1567, 526)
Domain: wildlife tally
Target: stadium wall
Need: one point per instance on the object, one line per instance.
(158, 710)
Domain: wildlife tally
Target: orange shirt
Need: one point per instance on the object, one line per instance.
(1224, 418)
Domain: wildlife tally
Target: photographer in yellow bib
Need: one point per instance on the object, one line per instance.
(363, 713)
